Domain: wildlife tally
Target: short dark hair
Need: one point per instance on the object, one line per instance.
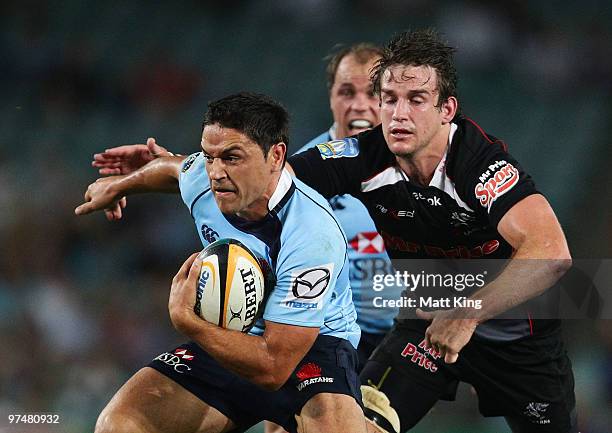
(420, 48)
(363, 52)
(257, 116)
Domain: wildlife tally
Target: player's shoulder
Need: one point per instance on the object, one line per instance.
(470, 144)
(471, 138)
(321, 138)
(363, 145)
(193, 180)
(308, 216)
(310, 207)
(374, 150)
(195, 159)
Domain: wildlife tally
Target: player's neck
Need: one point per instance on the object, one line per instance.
(421, 165)
(259, 209)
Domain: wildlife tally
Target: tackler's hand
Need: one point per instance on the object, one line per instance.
(101, 195)
(128, 158)
(448, 332)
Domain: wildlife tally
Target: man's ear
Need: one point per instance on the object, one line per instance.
(277, 153)
(449, 109)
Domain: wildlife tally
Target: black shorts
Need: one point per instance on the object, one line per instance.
(529, 381)
(328, 367)
(367, 343)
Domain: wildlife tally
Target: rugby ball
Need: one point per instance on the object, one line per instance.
(231, 286)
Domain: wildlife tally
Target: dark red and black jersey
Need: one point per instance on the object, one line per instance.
(455, 216)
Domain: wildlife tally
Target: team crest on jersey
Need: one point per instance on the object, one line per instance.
(311, 373)
(536, 412)
(189, 162)
(346, 148)
(498, 179)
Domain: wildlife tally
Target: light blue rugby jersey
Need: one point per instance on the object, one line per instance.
(300, 238)
(367, 257)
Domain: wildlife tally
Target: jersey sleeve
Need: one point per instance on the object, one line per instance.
(331, 168)
(193, 179)
(307, 273)
(492, 181)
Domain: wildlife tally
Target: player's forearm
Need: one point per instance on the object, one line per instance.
(529, 274)
(246, 355)
(159, 175)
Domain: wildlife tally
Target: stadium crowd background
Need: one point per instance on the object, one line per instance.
(83, 301)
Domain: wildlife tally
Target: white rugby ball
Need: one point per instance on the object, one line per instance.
(232, 285)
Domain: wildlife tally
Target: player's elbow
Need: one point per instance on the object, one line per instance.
(556, 255)
(561, 265)
(270, 381)
(560, 261)
(274, 376)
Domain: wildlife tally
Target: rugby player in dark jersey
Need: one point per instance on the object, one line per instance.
(438, 186)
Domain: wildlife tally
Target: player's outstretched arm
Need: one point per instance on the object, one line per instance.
(266, 360)
(541, 258)
(128, 158)
(108, 194)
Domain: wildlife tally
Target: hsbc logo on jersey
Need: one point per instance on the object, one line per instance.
(368, 243)
(176, 359)
(500, 182)
(308, 287)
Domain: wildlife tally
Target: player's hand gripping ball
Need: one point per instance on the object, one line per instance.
(232, 285)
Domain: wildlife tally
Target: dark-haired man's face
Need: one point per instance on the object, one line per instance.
(352, 101)
(242, 179)
(409, 116)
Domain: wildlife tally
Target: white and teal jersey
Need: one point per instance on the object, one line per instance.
(301, 240)
(367, 257)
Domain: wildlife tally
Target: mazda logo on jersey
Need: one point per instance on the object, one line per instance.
(311, 283)
(308, 287)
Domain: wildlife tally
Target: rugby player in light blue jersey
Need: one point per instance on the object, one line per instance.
(355, 108)
(237, 187)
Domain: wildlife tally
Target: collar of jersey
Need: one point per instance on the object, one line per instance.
(269, 227)
(282, 192)
(332, 131)
(440, 173)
